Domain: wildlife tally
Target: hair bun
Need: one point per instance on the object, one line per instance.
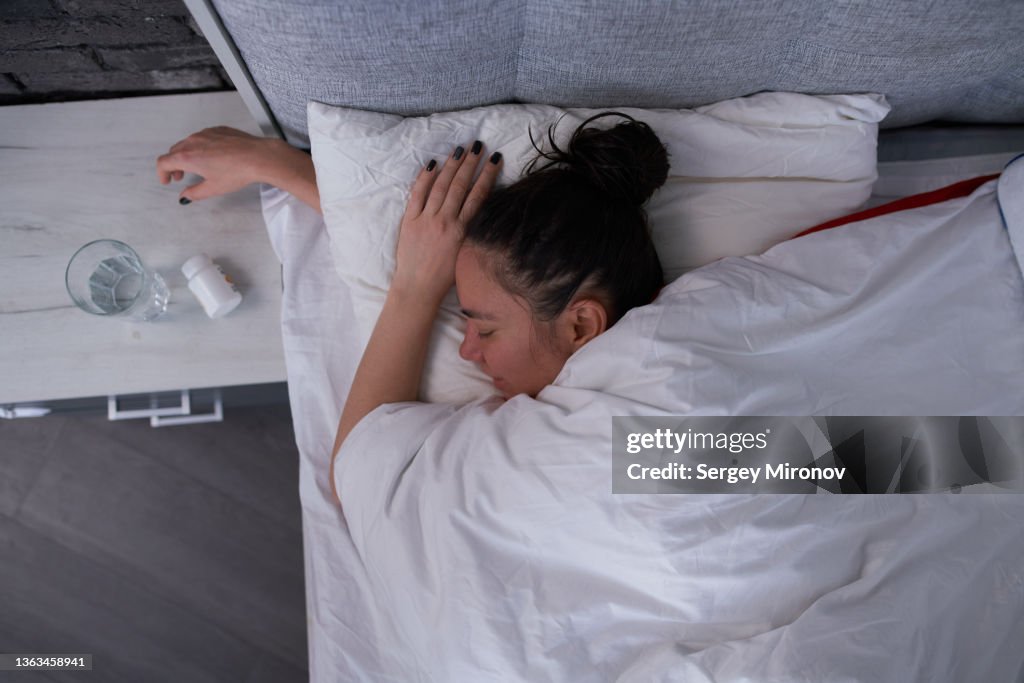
(627, 161)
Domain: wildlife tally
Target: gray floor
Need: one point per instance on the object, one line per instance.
(170, 554)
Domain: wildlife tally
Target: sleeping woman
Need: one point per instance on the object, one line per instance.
(541, 267)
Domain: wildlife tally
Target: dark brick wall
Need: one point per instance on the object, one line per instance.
(57, 50)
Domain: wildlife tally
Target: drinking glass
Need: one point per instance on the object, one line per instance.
(106, 277)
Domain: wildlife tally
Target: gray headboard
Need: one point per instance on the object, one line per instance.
(952, 60)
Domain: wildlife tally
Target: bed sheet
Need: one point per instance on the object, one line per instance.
(321, 358)
(351, 637)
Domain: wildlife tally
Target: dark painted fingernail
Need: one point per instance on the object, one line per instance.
(495, 158)
(477, 146)
(458, 153)
(431, 165)
(184, 201)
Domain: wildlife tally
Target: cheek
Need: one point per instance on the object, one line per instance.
(548, 350)
(502, 357)
(539, 362)
(497, 358)
(526, 361)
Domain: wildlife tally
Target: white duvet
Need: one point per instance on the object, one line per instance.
(483, 542)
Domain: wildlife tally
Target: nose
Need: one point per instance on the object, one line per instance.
(469, 349)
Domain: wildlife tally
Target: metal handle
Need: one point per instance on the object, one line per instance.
(172, 415)
(115, 413)
(216, 416)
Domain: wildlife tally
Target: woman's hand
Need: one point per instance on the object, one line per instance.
(442, 202)
(229, 159)
(440, 205)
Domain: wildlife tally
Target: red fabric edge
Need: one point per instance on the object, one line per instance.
(915, 201)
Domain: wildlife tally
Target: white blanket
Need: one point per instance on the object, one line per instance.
(483, 543)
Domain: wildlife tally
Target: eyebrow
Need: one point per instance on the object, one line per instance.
(476, 315)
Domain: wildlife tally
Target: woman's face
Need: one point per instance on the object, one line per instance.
(502, 337)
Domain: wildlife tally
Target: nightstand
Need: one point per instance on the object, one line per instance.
(74, 172)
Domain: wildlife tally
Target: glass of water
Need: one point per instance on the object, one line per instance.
(107, 277)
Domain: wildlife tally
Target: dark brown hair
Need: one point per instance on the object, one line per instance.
(577, 223)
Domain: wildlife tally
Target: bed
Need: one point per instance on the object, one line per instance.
(491, 547)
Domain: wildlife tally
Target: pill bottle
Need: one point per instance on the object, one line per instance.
(215, 290)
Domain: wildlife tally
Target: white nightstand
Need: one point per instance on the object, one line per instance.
(74, 172)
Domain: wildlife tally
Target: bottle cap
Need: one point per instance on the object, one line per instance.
(195, 264)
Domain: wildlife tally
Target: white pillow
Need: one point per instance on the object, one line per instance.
(745, 174)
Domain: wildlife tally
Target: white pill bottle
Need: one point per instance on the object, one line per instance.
(215, 291)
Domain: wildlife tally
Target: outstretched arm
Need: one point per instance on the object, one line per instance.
(229, 159)
(440, 205)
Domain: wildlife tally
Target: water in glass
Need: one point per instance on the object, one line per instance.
(120, 284)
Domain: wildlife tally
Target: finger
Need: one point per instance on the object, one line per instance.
(166, 166)
(420, 189)
(194, 193)
(440, 190)
(482, 187)
(174, 166)
(463, 181)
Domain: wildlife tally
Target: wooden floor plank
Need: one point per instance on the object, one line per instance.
(271, 669)
(194, 544)
(61, 601)
(251, 456)
(24, 447)
(13, 641)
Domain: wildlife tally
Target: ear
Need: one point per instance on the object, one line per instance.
(587, 318)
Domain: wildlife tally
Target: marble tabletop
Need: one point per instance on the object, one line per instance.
(71, 173)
